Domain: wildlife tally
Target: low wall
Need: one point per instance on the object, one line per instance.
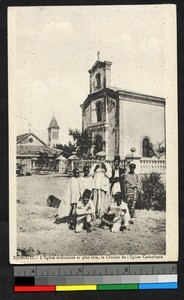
(146, 165)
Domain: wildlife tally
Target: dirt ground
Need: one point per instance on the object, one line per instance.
(37, 233)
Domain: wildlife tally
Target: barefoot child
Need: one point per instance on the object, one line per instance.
(74, 196)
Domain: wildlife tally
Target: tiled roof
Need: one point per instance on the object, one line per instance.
(23, 149)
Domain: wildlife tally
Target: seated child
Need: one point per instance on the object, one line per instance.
(117, 217)
(85, 212)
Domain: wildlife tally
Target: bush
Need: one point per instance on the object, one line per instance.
(153, 194)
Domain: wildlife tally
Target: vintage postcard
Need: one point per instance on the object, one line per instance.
(93, 155)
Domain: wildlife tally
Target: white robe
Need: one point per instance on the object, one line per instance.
(72, 195)
(86, 183)
(101, 177)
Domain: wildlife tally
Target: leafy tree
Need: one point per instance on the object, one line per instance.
(67, 150)
(45, 161)
(82, 141)
(157, 149)
(153, 194)
(81, 146)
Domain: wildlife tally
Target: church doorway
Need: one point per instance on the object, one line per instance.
(98, 144)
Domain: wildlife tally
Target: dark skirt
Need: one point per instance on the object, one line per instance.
(131, 198)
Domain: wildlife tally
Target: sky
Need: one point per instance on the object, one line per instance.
(54, 47)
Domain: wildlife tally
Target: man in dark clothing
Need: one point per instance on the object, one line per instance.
(117, 178)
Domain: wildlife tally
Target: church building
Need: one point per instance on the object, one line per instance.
(121, 121)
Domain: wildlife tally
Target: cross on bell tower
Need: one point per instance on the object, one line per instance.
(100, 75)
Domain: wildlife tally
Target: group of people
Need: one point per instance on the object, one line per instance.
(102, 195)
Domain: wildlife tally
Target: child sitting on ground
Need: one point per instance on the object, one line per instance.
(117, 217)
(85, 212)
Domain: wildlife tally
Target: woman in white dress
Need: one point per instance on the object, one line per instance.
(101, 172)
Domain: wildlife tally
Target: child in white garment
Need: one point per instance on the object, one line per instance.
(70, 199)
(74, 190)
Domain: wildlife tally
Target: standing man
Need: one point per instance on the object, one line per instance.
(117, 178)
(101, 172)
(131, 188)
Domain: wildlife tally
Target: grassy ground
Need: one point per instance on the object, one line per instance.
(37, 233)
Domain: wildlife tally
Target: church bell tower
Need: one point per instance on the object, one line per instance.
(53, 133)
(95, 108)
(100, 75)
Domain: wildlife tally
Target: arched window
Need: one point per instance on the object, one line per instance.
(146, 150)
(98, 80)
(55, 135)
(98, 144)
(99, 111)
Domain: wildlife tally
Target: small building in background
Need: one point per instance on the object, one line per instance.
(33, 155)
